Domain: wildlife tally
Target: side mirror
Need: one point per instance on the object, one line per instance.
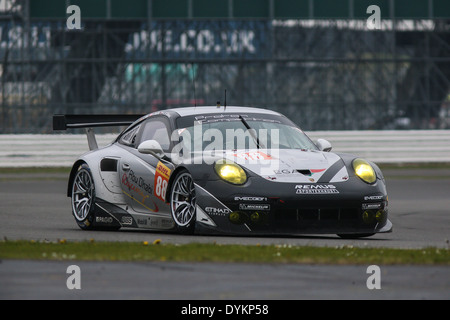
(323, 145)
(151, 147)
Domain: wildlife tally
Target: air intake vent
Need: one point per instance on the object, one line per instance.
(305, 172)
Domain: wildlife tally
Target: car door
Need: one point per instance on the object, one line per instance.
(144, 176)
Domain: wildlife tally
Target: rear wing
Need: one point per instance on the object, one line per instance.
(76, 121)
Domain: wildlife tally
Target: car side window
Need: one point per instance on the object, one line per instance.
(129, 137)
(156, 130)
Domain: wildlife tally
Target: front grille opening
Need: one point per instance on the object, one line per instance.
(318, 214)
(348, 214)
(329, 214)
(307, 214)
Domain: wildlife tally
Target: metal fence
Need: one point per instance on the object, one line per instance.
(325, 74)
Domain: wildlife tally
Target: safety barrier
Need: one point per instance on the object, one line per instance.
(416, 146)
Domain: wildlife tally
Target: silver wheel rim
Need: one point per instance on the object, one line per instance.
(82, 194)
(182, 201)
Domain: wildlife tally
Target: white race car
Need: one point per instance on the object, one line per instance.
(233, 170)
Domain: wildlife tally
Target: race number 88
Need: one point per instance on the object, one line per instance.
(161, 187)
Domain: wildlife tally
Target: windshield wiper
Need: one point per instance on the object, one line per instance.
(252, 132)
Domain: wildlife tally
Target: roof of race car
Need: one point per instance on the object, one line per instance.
(188, 111)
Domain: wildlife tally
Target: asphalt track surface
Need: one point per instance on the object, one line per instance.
(34, 207)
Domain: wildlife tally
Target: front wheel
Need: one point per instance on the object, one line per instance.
(355, 236)
(183, 202)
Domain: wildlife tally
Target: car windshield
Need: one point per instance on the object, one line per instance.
(242, 131)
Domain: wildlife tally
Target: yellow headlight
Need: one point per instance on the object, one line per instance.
(364, 170)
(230, 172)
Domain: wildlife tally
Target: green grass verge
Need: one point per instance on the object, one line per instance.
(195, 252)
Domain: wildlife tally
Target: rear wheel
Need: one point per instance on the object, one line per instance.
(83, 197)
(183, 202)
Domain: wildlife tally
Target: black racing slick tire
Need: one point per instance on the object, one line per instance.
(355, 236)
(183, 202)
(83, 198)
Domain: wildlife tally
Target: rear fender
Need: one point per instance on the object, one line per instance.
(74, 170)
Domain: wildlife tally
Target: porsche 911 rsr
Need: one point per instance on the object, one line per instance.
(233, 170)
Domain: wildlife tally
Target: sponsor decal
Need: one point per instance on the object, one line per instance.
(141, 221)
(162, 176)
(316, 189)
(371, 206)
(166, 223)
(257, 155)
(217, 211)
(305, 172)
(137, 184)
(373, 198)
(127, 220)
(154, 223)
(250, 198)
(285, 171)
(261, 207)
(140, 187)
(103, 219)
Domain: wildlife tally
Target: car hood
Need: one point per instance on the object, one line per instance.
(291, 165)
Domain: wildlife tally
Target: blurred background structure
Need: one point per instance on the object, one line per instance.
(316, 61)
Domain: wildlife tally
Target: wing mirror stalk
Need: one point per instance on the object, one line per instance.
(151, 147)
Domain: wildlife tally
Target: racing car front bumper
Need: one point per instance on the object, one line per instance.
(351, 207)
